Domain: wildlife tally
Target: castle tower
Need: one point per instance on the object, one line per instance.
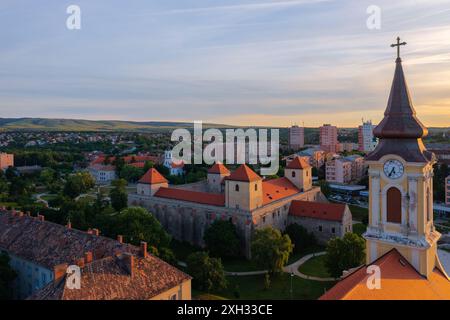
(401, 185)
(150, 183)
(243, 189)
(299, 172)
(216, 174)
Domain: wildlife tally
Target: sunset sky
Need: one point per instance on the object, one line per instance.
(243, 62)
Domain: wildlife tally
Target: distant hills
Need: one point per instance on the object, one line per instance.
(43, 124)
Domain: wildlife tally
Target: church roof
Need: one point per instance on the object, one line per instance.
(298, 163)
(400, 131)
(218, 168)
(317, 210)
(399, 281)
(400, 119)
(244, 173)
(152, 176)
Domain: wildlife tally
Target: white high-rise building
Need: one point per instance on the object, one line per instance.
(366, 140)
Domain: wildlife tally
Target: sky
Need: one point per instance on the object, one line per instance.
(242, 62)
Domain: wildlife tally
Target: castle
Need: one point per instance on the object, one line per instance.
(245, 199)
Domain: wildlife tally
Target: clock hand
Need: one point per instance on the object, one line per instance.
(392, 172)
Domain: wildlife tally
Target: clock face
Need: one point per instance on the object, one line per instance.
(393, 169)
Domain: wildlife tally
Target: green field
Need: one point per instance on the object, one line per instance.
(315, 267)
(252, 287)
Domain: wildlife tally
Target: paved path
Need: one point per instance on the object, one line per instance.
(246, 273)
(293, 268)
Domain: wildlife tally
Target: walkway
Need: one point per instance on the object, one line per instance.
(293, 268)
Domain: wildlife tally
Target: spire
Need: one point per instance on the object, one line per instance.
(400, 119)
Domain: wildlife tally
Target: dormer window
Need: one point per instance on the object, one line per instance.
(293, 174)
(236, 188)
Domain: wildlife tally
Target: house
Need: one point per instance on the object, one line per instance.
(40, 252)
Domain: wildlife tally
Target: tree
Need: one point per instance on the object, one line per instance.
(137, 224)
(208, 273)
(344, 253)
(221, 239)
(119, 195)
(130, 173)
(7, 275)
(77, 184)
(301, 238)
(271, 249)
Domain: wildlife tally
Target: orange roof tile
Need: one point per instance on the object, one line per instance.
(298, 163)
(318, 210)
(218, 168)
(192, 196)
(152, 176)
(399, 281)
(244, 173)
(277, 189)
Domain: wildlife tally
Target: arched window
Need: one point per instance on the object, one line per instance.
(394, 206)
(236, 188)
(293, 174)
(256, 187)
(428, 205)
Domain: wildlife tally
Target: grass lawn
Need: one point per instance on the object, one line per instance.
(183, 249)
(252, 287)
(315, 267)
(49, 197)
(298, 255)
(359, 228)
(239, 265)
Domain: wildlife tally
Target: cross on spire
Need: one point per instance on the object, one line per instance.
(398, 44)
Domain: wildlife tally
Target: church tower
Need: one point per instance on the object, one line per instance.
(401, 184)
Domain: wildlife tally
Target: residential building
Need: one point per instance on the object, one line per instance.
(296, 138)
(338, 170)
(176, 167)
(6, 160)
(366, 140)
(358, 167)
(40, 252)
(103, 174)
(241, 196)
(329, 138)
(316, 157)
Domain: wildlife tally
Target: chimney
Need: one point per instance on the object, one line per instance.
(120, 238)
(128, 260)
(59, 271)
(88, 257)
(95, 232)
(144, 249)
(40, 217)
(80, 262)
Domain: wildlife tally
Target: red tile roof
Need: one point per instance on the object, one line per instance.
(277, 189)
(218, 168)
(128, 159)
(298, 163)
(192, 196)
(49, 244)
(109, 279)
(244, 173)
(152, 176)
(176, 165)
(317, 210)
(399, 281)
(137, 164)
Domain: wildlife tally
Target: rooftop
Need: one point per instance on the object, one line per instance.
(244, 173)
(317, 210)
(152, 176)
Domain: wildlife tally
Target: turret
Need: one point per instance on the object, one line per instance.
(243, 189)
(299, 172)
(150, 183)
(216, 174)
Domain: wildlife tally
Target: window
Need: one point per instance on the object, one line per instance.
(173, 297)
(320, 228)
(394, 205)
(307, 173)
(293, 174)
(428, 205)
(236, 188)
(333, 230)
(256, 187)
(264, 219)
